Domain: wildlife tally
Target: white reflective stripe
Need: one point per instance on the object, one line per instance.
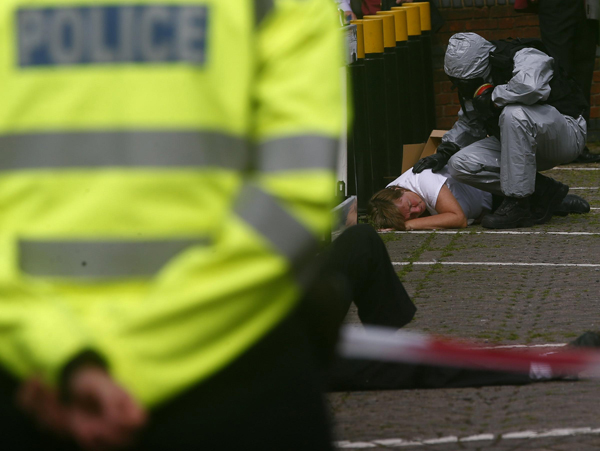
(122, 149)
(297, 152)
(98, 258)
(261, 9)
(287, 235)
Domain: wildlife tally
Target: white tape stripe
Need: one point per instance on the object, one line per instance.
(544, 345)
(584, 187)
(519, 435)
(574, 169)
(584, 265)
(495, 232)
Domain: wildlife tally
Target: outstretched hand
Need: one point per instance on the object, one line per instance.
(98, 415)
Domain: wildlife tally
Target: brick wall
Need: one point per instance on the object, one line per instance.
(492, 19)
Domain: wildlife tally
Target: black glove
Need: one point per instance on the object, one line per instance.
(438, 160)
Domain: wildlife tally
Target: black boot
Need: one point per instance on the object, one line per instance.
(546, 198)
(587, 157)
(514, 212)
(572, 204)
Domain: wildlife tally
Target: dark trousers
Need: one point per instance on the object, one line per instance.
(268, 399)
(571, 39)
(361, 257)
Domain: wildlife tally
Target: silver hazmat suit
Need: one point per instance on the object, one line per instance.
(534, 136)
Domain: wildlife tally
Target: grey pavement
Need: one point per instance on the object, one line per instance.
(538, 287)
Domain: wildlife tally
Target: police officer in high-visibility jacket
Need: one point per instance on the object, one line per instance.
(166, 172)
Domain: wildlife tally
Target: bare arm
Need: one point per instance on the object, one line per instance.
(450, 214)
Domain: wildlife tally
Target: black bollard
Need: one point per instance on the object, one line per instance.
(403, 107)
(393, 136)
(415, 74)
(376, 103)
(360, 178)
(426, 36)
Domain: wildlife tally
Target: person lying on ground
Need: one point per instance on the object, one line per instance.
(434, 200)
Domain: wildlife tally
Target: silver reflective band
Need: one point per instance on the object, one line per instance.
(297, 152)
(280, 228)
(122, 149)
(100, 259)
(261, 9)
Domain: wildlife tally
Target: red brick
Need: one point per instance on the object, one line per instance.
(439, 111)
(502, 11)
(445, 123)
(437, 87)
(595, 88)
(596, 76)
(457, 14)
(595, 100)
(527, 20)
(530, 32)
(507, 22)
(482, 24)
(458, 26)
(481, 13)
(447, 86)
(595, 111)
(444, 99)
(499, 34)
(451, 110)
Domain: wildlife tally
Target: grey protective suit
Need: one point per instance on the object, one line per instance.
(534, 136)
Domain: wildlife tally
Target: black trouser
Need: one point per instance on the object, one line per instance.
(571, 39)
(361, 257)
(268, 399)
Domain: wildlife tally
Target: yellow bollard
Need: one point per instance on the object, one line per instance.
(373, 35)
(400, 25)
(413, 19)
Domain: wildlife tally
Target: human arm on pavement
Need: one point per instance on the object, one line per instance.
(530, 83)
(450, 214)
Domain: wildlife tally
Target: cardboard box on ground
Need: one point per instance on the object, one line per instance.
(414, 152)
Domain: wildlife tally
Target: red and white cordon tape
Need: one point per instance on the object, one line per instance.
(385, 344)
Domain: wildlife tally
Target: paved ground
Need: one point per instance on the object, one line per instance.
(547, 290)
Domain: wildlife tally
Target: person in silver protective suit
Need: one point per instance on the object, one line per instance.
(520, 114)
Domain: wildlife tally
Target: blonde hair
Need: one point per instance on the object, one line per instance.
(383, 212)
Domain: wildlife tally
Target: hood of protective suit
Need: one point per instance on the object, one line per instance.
(467, 56)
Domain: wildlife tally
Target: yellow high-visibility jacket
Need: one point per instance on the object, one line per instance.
(166, 168)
